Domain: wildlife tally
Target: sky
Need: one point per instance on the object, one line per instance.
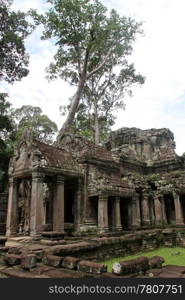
(159, 55)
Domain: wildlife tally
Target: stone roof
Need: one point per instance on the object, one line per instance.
(56, 157)
(149, 146)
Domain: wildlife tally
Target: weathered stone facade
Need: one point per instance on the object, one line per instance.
(76, 187)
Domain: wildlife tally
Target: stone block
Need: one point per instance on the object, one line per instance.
(70, 262)
(53, 260)
(29, 261)
(138, 265)
(174, 268)
(12, 259)
(53, 235)
(91, 267)
(39, 254)
(170, 275)
(155, 262)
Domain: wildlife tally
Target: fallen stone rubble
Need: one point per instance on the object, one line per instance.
(34, 260)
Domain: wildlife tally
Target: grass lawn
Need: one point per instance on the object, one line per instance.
(167, 253)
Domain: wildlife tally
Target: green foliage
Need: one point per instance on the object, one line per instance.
(154, 177)
(5, 134)
(90, 41)
(14, 28)
(29, 116)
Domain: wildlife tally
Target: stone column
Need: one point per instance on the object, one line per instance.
(12, 213)
(58, 205)
(37, 217)
(178, 210)
(103, 213)
(158, 211)
(145, 210)
(163, 210)
(77, 206)
(117, 214)
(136, 215)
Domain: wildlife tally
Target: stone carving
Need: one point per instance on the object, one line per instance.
(144, 145)
(24, 197)
(134, 183)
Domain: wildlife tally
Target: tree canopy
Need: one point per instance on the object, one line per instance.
(29, 116)
(14, 28)
(89, 40)
(5, 131)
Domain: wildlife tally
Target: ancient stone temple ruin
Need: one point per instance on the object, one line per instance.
(74, 187)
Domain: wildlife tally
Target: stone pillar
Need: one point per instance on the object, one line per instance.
(158, 211)
(12, 213)
(178, 210)
(163, 210)
(77, 206)
(136, 215)
(37, 217)
(145, 210)
(117, 214)
(103, 213)
(58, 205)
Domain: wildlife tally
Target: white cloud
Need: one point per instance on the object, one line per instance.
(159, 55)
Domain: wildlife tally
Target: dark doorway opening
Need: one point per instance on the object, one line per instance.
(125, 207)
(70, 188)
(170, 209)
(151, 210)
(92, 209)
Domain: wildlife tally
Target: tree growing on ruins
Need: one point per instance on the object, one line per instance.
(103, 94)
(14, 28)
(88, 39)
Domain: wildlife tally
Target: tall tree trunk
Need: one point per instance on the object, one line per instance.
(96, 124)
(74, 106)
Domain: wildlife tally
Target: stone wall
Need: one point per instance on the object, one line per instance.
(143, 145)
(99, 249)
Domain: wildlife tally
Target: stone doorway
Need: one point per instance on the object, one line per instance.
(92, 210)
(169, 209)
(126, 213)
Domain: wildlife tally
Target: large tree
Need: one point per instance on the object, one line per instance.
(87, 38)
(103, 95)
(29, 116)
(5, 132)
(14, 28)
